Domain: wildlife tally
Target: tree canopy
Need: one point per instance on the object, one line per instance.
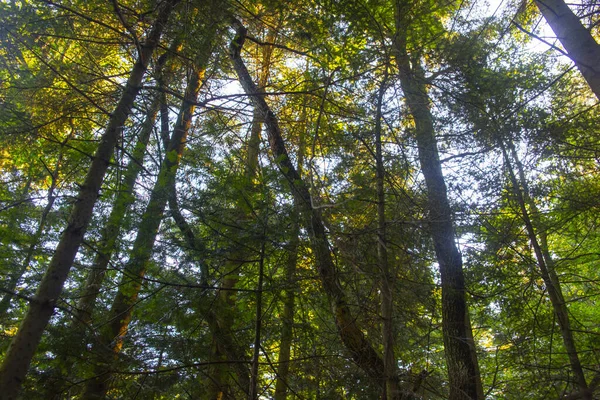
(376, 199)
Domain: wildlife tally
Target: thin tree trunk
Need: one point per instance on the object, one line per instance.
(226, 297)
(575, 38)
(113, 335)
(362, 352)
(459, 348)
(24, 344)
(287, 317)
(223, 340)
(14, 281)
(389, 359)
(253, 394)
(538, 238)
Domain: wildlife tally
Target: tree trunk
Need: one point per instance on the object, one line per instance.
(226, 297)
(362, 352)
(253, 393)
(539, 242)
(459, 348)
(287, 316)
(24, 344)
(386, 283)
(113, 334)
(14, 281)
(224, 344)
(575, 38)
(122, 203)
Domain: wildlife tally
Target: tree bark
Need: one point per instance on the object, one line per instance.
(24, 344)
(113, 335)
(575, 38)
(357, 344)
(459, 348)
(538, 238)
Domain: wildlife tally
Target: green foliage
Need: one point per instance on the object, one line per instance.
(62, 67)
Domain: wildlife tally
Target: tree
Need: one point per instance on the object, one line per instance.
(353, 200)
(24, 344)
(121, 311)
(581, 46)
(459, 346)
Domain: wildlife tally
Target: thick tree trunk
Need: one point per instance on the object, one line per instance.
(24, 344)
(538, 238)
(459, 348)
(359, 347)
(575, 38)
(112, 336)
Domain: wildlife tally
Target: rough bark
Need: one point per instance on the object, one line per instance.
(575, 38)
(113, 334)
(459, 348)
(538, 239)
(24, 344)
(350, 333)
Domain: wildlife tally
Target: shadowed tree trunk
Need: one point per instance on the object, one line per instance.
(24, 344)
(287, 316)
(113, 334)
(219, 374)
(575, 38)
(459, 348)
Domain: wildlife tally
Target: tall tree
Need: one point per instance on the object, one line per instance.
(459, 347)
(113, 335)
(581, 46)
(539, 241)
(352, 337)
(23, 346)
